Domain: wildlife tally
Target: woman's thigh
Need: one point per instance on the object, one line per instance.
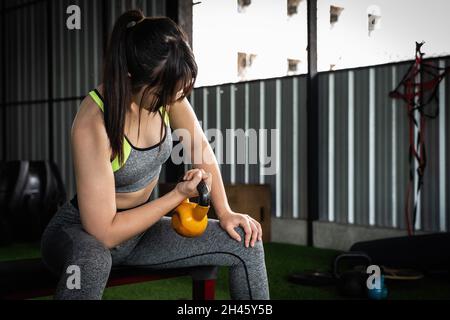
(161, 246)
(72, 245)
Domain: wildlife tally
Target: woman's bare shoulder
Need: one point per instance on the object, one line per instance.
(88, 120)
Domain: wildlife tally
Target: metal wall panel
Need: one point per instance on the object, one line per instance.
(210, 106)
(383, 146)
(323, 146)
(25, 79)
(2, 84)
(446, 129)
(239, 124)
(63, 116)
(286, 132)
(27, 129)
(225, 123)
(198, 105)
(76, 53)
(361, 146)
(254, 123)
(2, 129)
(8, 4)
(25, 52)
(341, 147)
(270, 123)
(302, 147)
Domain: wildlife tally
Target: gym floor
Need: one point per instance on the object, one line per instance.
(281, 261)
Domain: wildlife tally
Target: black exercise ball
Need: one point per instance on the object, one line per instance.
(32, 193)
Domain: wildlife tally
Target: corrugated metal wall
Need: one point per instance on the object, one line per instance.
(269, 104)
(26, 80)
(364, 150)
(13, 3)
(363, 133)
(2, 87)
(363, 145)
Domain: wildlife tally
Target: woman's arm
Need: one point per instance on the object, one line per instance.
(202, 156)
(96, 188)
(183, 117)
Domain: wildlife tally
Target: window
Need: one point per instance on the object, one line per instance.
(335, 12)
(243, 4)
(293, 66)
(373, 22)
(245, 61)
(292, 7)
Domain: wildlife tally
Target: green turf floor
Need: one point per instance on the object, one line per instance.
(281, 261)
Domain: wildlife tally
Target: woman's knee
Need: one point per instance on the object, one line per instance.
(250, 253)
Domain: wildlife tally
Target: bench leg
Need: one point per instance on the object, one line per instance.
(203, 289)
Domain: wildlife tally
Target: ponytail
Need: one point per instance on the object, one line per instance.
(117, 84)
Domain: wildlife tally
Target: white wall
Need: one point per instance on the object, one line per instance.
(402, 23)
(220, 31)
(265, 29)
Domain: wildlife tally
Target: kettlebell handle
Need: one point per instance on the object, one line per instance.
(361, 256)
(203, 192)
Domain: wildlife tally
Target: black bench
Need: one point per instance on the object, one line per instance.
(29, 278)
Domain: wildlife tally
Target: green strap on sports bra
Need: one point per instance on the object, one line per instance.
(126, 146)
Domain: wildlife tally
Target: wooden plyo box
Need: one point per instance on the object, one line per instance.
(251, 199)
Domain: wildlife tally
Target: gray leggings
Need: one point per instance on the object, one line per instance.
(65, 243)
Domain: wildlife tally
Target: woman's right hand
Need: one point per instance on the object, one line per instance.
(188, 187)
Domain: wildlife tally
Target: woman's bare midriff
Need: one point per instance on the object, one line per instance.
(129, 200)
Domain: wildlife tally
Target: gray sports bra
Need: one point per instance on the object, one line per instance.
(141, 165)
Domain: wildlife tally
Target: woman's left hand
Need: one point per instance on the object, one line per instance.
(252, 228)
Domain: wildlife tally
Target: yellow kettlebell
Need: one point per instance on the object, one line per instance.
(191, 219)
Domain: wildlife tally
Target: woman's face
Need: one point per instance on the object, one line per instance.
(150, 98)
(152, 95)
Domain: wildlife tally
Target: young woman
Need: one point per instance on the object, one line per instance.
(149, 70)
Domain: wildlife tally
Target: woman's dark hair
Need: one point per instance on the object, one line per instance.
(150, 52)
